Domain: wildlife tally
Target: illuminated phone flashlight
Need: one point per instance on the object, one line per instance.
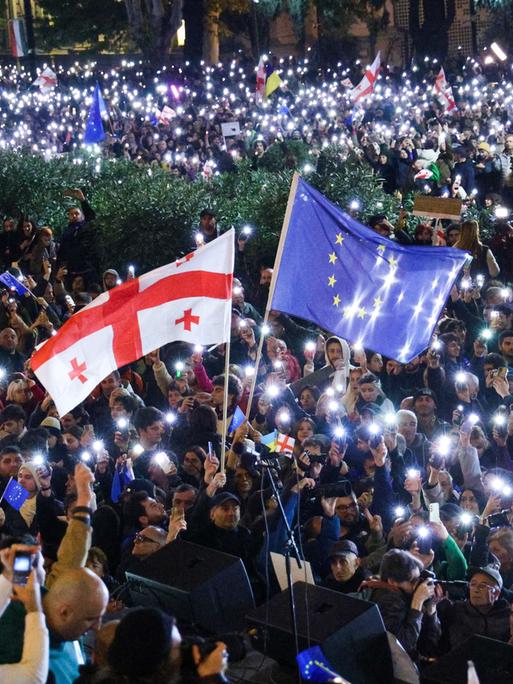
(284, 417)
(460, 407)
(119, 281)
(122, 423)
(466, 518)
(354, 205)
(480, 279)
(330, 392)
(3, 373)
(505, 292)
(423, 532)
(237, 290)
(265, 330)
(333, 406)
(199, 239)
(278, 365)
(390, 419)
(443, 445)
(466, 283)
(413, 473)
(249, 371)
(473, 418)
(97, 445)
(374, 429)
(170, 417)
(507, 490)
(499, 420)
(137, 449)
(399, 511)
(496, 484)
(85, 456)
(247, 230)
(501, 212)
(486, 334)
(310, 346)
(198, 349)
(161, 459)
(38, 459)
(179, 366)
(460, 376)
(272, 391)
(357, 346)
(131, 269)
(339, 432)
(436, 345)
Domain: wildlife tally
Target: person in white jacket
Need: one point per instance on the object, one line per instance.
(33, 666)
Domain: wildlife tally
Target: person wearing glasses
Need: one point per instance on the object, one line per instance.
(484, 612)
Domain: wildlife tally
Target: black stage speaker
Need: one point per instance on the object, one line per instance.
(350, 632)
(493, 660)
(195, 584)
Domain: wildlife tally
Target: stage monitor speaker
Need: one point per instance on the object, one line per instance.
(493, 660)
(350, 631)
(195, 584)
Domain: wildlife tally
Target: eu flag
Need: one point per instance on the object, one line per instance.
(94, 132)
(122, 476)
(13, 283)
(357, 284)
(15, 494)
(314, 667)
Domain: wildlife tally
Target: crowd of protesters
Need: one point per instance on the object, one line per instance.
(398, 481)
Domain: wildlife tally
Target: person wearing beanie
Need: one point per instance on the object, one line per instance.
(425, 407)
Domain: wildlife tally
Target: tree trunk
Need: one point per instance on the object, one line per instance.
(211, 33)
(311, 26)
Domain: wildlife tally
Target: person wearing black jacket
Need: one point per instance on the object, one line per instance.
(78, 251)
(346, 573)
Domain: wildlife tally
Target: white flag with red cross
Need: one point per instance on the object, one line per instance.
(189, 300)
(260, 81)
(444, 92)
(366, 85)
(284, 444)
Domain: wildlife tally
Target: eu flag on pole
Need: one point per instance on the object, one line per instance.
(314, 667)
(94, 132)
(13, 283)
(357, 284)
(122, 476)
(15, 494)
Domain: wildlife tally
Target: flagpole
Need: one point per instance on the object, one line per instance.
(276, 268)
(6, 488)
(225, 402)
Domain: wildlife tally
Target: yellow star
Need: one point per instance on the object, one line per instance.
(340, 239)
(378, 302)
(361, 312)
(336, 300)
(348, 310)
(332, 280)
(392, 262)
(332, 257)
(381, 249)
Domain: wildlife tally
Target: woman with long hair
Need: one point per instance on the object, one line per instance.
(483, 261)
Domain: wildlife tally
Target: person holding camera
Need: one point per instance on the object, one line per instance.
(407, 601)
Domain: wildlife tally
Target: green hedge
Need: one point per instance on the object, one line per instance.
(145, 215)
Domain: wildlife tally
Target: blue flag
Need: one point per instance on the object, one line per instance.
(13, 283)
(359, 285)
(314, 667)
(121, 478)
(94, 132)
(237, 419)
(15, 494)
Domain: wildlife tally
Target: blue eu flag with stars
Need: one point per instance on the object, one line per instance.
(15, 494)
(357, 284)
(94, 132)
(13, 283)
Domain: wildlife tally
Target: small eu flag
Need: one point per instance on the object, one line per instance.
(122, 476)
(314, 667)
(13, 283)
(15, 494)
(237, 419)
(357, 284)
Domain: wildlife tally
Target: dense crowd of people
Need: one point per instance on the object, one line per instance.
(398, 478)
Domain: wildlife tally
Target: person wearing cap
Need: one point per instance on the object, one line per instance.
(483, 613)
(346, 574)
(425, 405)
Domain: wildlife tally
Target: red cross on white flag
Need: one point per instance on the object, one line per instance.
(444, 92)
(189, 300)
(366, 85)
(284, 443)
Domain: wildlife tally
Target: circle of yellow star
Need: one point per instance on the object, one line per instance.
(378, 302)
(381, 249)
(361, 312)
(339, 239)
(332, 280)
(332, 257)
(392, 262)
(336, 300)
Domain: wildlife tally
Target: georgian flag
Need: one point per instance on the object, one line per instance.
(46, 80)
(189, 300)
(366, 85)
(260, 81)
(444, 92)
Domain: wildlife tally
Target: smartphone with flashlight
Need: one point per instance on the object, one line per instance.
(22, 565)
(434, 512)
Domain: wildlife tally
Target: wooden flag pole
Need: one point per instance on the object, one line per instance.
(276, 268)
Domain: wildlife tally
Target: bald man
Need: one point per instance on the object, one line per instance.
(75, 604)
